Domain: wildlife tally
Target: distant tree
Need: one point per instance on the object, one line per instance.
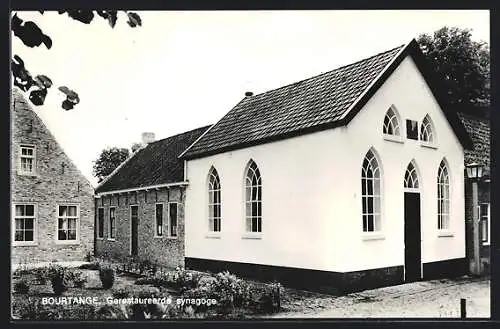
(32, 36)
(463, 64)
(109, 160)
(135, 147)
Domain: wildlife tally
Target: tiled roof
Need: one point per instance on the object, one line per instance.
(155, 164)
(478, 128)
(321, 102)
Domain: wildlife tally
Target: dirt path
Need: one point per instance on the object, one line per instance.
(437, 298)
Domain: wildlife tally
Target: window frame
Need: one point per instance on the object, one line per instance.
(155, 219)
(20, 171)
(78, 220)
(488, 223)
(169, 233)
(251, 234)
(427, 125)
(394, 122)
(444, 230)
(100, 233)
(212, 191)
(408, 130)
(414, 179)
(378, 228)
(35, 224)
(111, 228)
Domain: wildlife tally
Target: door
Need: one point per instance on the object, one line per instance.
(413, 261)
(134, 223)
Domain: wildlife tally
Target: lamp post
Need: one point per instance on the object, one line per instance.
(474, 173)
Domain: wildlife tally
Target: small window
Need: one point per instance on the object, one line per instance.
(172, 209)
(100, 223)
(427, 130)
(411, 129)
(27, 160)
(24, 223)
(159, 220)
(112, 223)
(484, 216)
(67, 223)
(411, 177)
(391, 123)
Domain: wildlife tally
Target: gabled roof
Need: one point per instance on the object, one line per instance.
(478, 127)
(322, 102)
(155, 164)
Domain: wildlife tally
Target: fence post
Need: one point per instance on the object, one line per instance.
(463, 311)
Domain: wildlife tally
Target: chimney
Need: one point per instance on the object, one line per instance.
(148, 138)
(248, 94)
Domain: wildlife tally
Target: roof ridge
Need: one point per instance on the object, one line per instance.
(330, 71)
(179, 134)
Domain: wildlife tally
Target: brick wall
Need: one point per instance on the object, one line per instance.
(57, 181)
(483, 197)
(165, 250)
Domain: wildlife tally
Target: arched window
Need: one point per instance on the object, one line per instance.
(253, 198)
(214, 201)
(411, 177)
(391, 123)
(371, 193)
(427, 130)
(443, 196)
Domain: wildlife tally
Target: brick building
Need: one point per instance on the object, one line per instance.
(476, 121)
(52, 202)
(140, 206)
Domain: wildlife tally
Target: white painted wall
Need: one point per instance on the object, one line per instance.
(311, 191)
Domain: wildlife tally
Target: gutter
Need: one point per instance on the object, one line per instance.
(135, 189)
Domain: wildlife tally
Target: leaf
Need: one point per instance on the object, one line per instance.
(84, 16)
(67, 105)
(37, 97)
(134, 19)
(44, 80)
(70, 94)
(41, 11)
(47, 41)
(112, 18)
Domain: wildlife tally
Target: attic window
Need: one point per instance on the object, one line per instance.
(391, 123)
(427, 130)
(411, 129)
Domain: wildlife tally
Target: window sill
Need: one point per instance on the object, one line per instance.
(250, 236)
(70, 242)
(393, 138)
(212, 236)
(158, 237)
(27, 174)
(445, 234)
(428, 145)
(100, 238)
(24, 244)
(372, 236)
(171, 237)
(111, 239)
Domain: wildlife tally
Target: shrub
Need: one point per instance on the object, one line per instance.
(107, 276)
(77, 278)
(42, 274)
(266, 298)
(121, 293)
(58, 279)
(184, 280)
(21, 287)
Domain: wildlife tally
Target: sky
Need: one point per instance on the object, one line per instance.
(185, 69)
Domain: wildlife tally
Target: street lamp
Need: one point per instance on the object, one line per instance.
(474, 173)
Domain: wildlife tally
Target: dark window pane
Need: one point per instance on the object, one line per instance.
(254, 208)
(28, 223)
(28, 235)
(72, 235)
(369, 172)
(254, 224)
(365, 223)
(412, 129)
(370, 205)
(363, 187)
(370, 223)
(30, 210)
(19, 236)
(61, 235)
(369, 186)
(364, 202)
